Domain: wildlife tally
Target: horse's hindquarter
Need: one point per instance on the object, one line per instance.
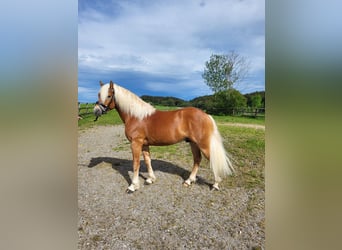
(170, 127)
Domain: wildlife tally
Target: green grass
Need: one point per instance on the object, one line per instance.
(246, 147)
(260, 120)
(165, 108)
(111, 118)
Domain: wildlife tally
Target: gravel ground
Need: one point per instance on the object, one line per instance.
(164, 215)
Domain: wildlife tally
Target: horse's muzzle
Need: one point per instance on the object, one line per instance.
(99, 109)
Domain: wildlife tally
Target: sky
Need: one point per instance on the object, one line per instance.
(159, 47)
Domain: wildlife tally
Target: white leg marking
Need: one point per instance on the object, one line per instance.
(151, 178)
(135, 182)
(134, 186)
(187, 183)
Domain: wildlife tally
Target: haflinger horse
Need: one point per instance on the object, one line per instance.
(145, 126)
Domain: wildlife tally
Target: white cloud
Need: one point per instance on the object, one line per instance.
(172, 38)
(164, 37)
(87, 94)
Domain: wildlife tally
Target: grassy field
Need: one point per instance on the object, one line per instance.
(246, 146)
(260, 120)
(111, 118)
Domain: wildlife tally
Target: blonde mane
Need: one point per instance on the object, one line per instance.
(130, 103)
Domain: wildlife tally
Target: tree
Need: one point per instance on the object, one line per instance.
(205, 103)
(222, 71)
(220, 74)
(228, 101)
(256, 101)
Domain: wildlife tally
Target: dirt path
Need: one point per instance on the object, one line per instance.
(164, 215)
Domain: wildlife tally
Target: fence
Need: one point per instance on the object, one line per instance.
(249, 111)
(243, 111)
(85, 108)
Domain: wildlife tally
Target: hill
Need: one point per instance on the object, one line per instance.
(201, 102)
(165, 101)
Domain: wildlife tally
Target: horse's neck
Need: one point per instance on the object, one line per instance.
(123, 115)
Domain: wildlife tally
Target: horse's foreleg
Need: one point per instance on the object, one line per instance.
(136, 147)
(147, 157)
(196, 152)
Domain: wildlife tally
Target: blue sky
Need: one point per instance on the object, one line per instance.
(160, 47)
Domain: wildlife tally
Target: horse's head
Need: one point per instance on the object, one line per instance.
(105, 99)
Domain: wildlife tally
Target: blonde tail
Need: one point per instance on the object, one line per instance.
(219, 161)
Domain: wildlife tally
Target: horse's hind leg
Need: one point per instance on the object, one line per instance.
(147, 157)
(196, 152)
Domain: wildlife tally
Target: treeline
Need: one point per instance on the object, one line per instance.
(222, 103)
(165, 101)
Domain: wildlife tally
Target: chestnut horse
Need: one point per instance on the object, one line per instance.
(145, 126)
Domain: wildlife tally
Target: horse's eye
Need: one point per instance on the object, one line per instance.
(108, 96)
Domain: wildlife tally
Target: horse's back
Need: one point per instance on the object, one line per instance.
(181, 116)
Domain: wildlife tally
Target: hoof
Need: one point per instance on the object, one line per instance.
(148, 181)
(128, 191)
(215, 187)
(187, 183)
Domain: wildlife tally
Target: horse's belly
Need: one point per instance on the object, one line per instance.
(164, 139)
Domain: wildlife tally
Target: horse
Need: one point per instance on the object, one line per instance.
(145, 126)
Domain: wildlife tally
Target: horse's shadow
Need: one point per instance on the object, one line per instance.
(123, 166)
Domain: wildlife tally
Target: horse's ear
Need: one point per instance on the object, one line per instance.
(111, 84)
(101, 83)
